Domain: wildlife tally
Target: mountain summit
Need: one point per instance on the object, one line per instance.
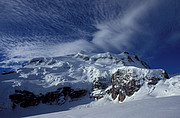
(58, 80)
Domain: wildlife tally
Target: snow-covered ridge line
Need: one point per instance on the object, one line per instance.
(105, 75)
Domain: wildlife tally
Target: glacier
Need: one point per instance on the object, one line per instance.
(82, 80)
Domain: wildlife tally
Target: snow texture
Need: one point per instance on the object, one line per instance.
(42, 75)
(151, 108)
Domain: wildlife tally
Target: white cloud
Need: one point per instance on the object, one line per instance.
(118, 34)
(138, 28)
(24, 51)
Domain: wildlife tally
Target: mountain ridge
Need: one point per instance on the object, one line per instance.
(117, 77)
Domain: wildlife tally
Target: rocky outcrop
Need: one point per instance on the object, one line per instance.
(145, 64)
(84, 57)
(25, 98)
(99, 85)
(122, 85)
(57, 97)
(7, 72)
(127, 81)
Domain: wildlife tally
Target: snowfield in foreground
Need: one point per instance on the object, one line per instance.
(168, 107)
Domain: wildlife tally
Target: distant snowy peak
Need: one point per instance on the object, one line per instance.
(123, 59)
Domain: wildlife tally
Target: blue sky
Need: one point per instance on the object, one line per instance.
(149, 29)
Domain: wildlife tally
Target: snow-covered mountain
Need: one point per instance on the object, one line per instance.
(81, 79)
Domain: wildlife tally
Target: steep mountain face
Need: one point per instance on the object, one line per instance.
(127, 81)
(57, 80)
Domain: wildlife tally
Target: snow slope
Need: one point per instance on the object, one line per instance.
(164, 88)
(168, 107)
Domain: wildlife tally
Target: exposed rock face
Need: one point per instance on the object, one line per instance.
(99, 85)
(25, 98)
(127, 81)
(77, 94)
(123, 85)
(145, 64)
(57, 97)
(84, 57)
(9, 72)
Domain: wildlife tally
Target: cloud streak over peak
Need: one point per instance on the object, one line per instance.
(120, 34)
(34, 28)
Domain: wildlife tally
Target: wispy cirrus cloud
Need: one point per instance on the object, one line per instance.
(16, 53)
(139, 26)
(120, 34)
